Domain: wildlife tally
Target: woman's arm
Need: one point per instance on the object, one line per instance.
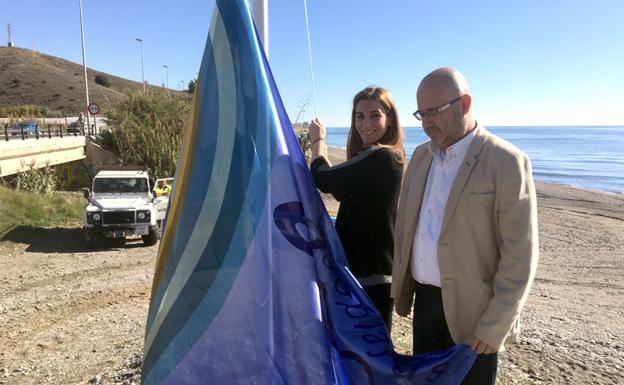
(372, 172)
(317, 136)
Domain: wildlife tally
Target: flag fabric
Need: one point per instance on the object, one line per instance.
(251, 283)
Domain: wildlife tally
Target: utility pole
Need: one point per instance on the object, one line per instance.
(84, 65)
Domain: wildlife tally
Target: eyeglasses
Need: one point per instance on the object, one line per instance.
(420, 115)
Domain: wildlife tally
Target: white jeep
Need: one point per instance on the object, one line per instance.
(121, 204)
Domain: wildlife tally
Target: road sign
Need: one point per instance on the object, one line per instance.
(93, 108)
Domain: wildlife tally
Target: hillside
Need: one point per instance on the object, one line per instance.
(30, 77)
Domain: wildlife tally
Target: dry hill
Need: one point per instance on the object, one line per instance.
(30, 77)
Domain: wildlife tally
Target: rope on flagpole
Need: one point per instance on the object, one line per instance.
(305, 11)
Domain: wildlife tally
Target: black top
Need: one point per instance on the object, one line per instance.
(367, 187)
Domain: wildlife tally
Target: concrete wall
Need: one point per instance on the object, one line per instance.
(96, 155)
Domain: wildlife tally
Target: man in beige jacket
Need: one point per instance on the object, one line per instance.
(466, 245)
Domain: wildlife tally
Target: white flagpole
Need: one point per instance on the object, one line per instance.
(260, 10)
(305, 11)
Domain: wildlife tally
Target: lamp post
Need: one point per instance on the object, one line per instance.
(140, 40)
(84, 65)
(166, 74)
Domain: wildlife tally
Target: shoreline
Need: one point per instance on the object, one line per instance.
(338, 155)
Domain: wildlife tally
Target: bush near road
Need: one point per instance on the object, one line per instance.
(146, 130)
(39, 210)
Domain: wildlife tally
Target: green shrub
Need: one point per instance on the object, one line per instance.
(102, 80)
(191, 86)
(146, 130)
(22, 111)
(304, 143)
(36, 181)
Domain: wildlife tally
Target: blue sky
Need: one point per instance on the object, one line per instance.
(530, 62)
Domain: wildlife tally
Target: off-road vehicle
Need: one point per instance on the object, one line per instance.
(121, 204)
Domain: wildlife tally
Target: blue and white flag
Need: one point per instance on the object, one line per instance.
(251, 284)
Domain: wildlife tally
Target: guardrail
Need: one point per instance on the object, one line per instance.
(11, 132)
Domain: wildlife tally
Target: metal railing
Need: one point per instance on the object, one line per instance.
(50, 130)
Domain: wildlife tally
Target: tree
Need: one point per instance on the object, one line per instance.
(146, 130)
(102, 80)
(191, 86)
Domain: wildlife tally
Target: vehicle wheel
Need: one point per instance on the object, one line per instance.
(90, 239)
(151, 238)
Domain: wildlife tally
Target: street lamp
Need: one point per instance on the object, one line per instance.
(166, 74)
(84, 65)
(140, 40)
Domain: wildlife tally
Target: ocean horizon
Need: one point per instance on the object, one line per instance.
(588, 157)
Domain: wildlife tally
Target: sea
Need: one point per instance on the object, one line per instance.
(590, 157)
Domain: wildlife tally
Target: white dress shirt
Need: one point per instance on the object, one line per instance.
(444, 168)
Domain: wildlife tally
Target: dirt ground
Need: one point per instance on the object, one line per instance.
(68, 315)
(72, 316)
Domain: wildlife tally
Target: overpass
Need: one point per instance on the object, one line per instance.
(55, 141)
(17, 154)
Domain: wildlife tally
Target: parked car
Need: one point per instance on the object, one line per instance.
(74, 128)
(29, 128)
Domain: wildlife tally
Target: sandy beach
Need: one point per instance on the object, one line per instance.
(572, 330)
(71, 316)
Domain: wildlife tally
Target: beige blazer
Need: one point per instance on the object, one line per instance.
(488, 246)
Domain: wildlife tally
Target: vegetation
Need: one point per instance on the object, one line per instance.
(191, 86)
(103, 81)
(22, 111)
(39, 210)
(304, 143)
(146, 129)
(41, 181)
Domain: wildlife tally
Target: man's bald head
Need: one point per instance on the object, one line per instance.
(444, 103)
(446, 82)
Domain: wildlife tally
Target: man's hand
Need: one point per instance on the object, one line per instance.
(480, 347)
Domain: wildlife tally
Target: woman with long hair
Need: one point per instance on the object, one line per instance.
(367, 186)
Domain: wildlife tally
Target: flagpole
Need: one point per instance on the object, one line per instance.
(260, 10)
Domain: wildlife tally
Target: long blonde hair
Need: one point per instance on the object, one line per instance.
(393, 137)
